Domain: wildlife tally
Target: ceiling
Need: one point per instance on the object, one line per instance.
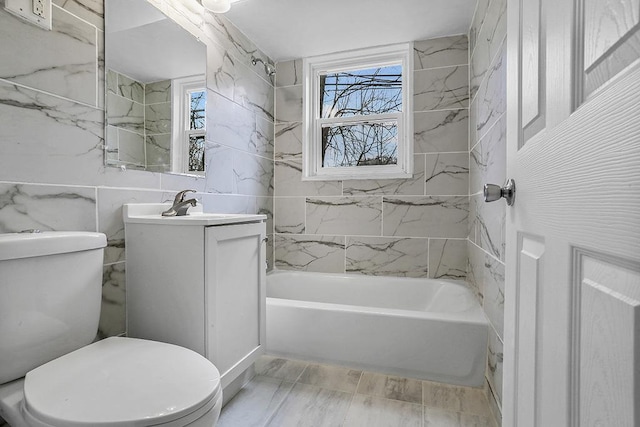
(290, 29)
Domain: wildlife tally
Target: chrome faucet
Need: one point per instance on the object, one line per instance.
(180, 205)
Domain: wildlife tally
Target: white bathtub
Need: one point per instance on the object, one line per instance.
(419, 328)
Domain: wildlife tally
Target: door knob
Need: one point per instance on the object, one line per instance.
(494, 192)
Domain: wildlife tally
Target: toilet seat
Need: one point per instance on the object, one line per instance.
(122, 381)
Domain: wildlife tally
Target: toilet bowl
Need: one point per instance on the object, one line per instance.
(50, 374)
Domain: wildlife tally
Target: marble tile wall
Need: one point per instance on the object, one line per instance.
(487, 160)
(52, 126)
(402, 227)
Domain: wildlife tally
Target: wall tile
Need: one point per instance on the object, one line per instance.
(289, 73)
(46, 207)
(387, 256)
(62, 61)
(221, 71)
(494, 367)
(289, 104)
(129, 88)
(441, 88)
(157, 118)
(310, 253)
(91, 11)
(131, 148)
(441, 52)
(344, 215)
(253, 92)
(475, 269)
(60, 141)
(288, 140)
(447, 174)
(488, 160)
(477, 22)
(113, 310)
(265, 206)
(487, 225)
(492, 96)
(125, 114)
(441, 131)
(157, 92)
(288, 181)
(448, 259)
(290, 215)
(494, 293)
(489, 42)
(110, 221)
(410, 186)
(444, 217)
(219, 166)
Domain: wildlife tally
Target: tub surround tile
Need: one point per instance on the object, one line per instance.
(494, 365)
(386, 256)
(488, 43)
(331, 377)
(282, 369)
(371, 411)
(409, 186)
(288, 140)
(289, 73)
(290, 215)
(253, 92)
(477, 22)
(488, 222)
(491, 98)
(255, 402)
(289, 104)
(454, 398)
(288, 181)
(62, 61)
(441, 88)
(475, 269)
(447, 259)
(46, 207)
(447, 174)
(312, 406)
(440, 52)
(441, 131)
(310, 253)
(221, 71)
(494, 272)
(444, 217)
(488, 160)
(344, 215)
(112, 312)
(391, 387)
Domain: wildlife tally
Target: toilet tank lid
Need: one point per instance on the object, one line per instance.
(26, 245)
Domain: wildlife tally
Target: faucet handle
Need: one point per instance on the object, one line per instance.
(180, 196)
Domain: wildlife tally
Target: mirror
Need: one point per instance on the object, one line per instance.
(155, 91)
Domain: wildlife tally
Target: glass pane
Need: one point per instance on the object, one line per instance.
(196, 153)
(196, 110)
(365, 144)
(361, 92)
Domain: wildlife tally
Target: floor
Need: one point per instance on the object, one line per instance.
(288, 392)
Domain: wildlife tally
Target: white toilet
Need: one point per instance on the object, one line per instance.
(50, 374)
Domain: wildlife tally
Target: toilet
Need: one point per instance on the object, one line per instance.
(51, 374)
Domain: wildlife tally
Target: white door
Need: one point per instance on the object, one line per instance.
(572, 308)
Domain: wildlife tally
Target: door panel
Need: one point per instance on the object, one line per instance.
(611, 40)
(572, 322)
(607, 340)
(531, 262)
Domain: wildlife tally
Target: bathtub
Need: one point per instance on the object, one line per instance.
(419, 328)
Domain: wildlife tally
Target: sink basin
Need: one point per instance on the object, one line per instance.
(151, 213)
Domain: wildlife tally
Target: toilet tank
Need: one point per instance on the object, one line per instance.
(50, 294)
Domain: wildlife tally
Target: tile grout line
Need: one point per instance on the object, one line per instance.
(353, 396)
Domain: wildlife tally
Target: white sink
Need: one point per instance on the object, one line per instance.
(151, 213)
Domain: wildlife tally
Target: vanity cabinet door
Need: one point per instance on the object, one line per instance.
(235, 292)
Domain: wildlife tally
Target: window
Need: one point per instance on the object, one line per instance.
(358, 115)
(189, 100)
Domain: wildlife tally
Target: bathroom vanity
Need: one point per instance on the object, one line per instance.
(198, 281)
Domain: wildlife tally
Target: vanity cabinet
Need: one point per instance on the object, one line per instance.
(199, 283)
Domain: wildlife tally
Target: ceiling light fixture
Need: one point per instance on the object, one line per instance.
(217, 6)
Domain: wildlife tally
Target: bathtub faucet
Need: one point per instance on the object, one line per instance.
(180, 205)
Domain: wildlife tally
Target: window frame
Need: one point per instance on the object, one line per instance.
(181, 90)
(313, 67)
